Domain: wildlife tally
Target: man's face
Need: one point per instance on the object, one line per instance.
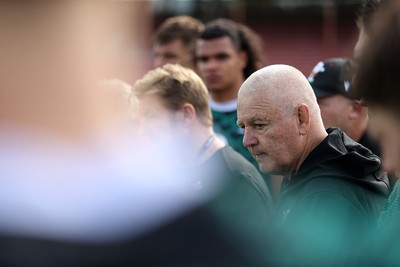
(219, 63)
(271, 136)
(173, 52)
(335, 110)
(385, 127)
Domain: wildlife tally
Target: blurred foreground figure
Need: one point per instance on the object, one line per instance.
(333, 191)
(175, 42)
(365, 17)
(75, 188)
(377, 80)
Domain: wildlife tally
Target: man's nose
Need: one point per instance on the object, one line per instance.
(211, 64)
(249, 139)
(158, 62)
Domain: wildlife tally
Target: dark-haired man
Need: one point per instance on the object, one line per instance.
(227, 53)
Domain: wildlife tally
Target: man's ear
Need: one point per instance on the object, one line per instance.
(356, 109)
(243, 59)
(303, 119)
(188, 114)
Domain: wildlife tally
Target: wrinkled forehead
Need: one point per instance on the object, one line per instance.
(254, 102)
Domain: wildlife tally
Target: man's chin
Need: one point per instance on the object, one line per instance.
(263, 168)
(214, 87)
(268, 169)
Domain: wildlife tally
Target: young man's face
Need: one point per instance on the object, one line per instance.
(219, 63)
(174, 52)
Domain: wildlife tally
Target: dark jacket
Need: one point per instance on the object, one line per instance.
(333, 201)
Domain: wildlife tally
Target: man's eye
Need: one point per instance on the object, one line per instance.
(222, 56)
(259, 126)
(202, 59)
(170, 56)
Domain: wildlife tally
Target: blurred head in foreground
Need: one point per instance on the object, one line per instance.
(377, 81)
(122, 103)
(175, 42)
(53, 119)
(365, 18)
(53, 55)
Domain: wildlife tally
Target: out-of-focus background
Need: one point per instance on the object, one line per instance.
(294, 32)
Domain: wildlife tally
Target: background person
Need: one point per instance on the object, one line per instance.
(331, 82)
(175, 42)
(226, 56)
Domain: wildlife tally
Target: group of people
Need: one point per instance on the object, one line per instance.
(315, 132)
(184, 164)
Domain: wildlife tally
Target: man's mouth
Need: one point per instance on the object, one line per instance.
(258, 156)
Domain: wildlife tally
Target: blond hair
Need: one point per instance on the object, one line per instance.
(176, 85)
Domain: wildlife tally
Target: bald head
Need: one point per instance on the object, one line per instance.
(279, 113)
(283, 86)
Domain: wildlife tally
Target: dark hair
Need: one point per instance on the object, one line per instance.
(184, 28)
(242, 37)
(377, 78)
(367, 12)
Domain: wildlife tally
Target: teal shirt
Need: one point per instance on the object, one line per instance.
(390, 214)
(225, 124)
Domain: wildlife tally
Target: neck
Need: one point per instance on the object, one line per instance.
(312, 141)
(203, 144)
(227, 94)
(358, 131)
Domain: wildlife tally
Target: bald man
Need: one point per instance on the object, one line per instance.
(333, 190)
